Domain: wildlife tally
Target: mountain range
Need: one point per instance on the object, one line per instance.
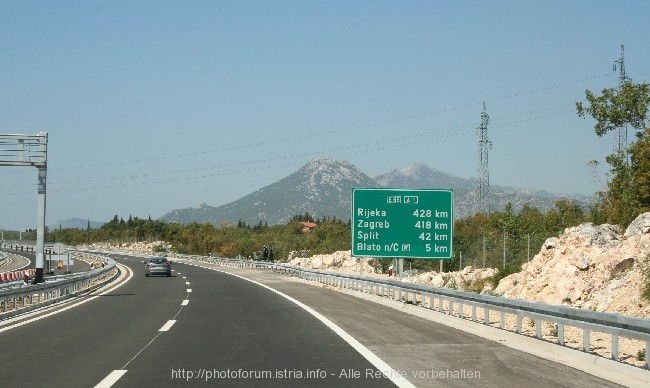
(323, 188)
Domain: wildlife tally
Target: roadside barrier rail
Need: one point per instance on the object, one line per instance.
(453, 302)
(19, 247)
(17, 297)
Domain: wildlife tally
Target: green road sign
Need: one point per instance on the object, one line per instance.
(403, 223)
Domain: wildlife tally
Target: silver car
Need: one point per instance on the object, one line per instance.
(157, 266)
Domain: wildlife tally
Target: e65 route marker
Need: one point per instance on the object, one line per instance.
(403, 223)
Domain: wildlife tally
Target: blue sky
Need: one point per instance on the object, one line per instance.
(152, 106)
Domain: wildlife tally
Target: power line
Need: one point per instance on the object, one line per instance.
(398, 142)
(303, 137)
(416, 139)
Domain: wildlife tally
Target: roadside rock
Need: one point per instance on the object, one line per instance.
(468, 279)
(340, 261)
(588, 266)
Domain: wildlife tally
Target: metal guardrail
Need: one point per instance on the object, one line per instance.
(18, 297)
(18, 247)
(452, 302)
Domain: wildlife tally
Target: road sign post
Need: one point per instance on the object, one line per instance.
(30, 150)
(401, 223)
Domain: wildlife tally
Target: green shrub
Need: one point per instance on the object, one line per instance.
(509, 270)
(645, 267)
(640, 355)
(476, 286)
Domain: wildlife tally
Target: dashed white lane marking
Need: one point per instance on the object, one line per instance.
(189, 290)
(111, 378)
(118, 373)
(168, 325)
(377, 362)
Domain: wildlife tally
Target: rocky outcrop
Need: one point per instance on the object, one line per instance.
(474, 279)
(140, 246)
(340, 261)
(588, 266)
(469, 279)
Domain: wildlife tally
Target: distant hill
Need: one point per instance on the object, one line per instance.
(75, 223)
(419, 175)
(323, 188)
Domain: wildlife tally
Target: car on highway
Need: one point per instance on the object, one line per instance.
(157, 266)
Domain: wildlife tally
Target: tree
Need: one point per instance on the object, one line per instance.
(627, 192)
(640, 159)
(570, 212)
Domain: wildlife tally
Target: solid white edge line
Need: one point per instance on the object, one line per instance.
(168, 325)
(111, 378)
(377, 362)
(109, 288)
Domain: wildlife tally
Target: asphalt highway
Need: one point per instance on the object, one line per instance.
(216, 329)
(208, 326)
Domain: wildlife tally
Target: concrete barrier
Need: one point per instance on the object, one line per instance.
(12, 276)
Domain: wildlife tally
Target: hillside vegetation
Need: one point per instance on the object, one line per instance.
(528, 228)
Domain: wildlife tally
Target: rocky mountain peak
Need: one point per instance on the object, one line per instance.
(418, 169)
(423, 176)
(323, 171)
